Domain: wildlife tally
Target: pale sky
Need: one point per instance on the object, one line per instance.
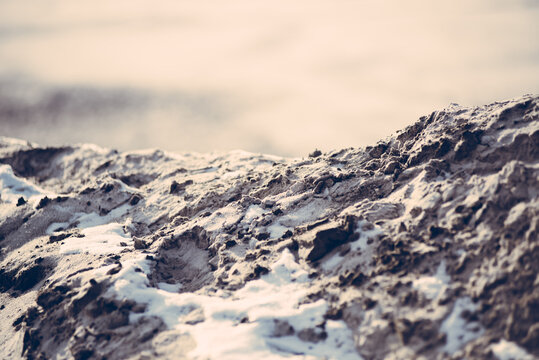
(277, 76)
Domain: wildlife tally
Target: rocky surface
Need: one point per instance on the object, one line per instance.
(423, 246)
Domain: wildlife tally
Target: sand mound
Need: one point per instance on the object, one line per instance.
(424, 245)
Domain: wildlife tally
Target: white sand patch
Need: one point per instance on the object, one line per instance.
(85, 220)
(252, 213)
(277, 230)
(508, 350)
(364, 236)
(102, 239)
(417, 193)
(457, 329)
(13, 187)
(173, 288)
(242, 326)
(515, 212)
(433, 286)
(332, 262)
(228, 215)
(55, 226)
(303, 215)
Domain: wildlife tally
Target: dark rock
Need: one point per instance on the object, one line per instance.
(27, 278)
(468, 144)
(328, 239)
(352, 278)
(43, 202)
(83, 354)
(136, 180)
(59, 237)
(378, 150)
(115, 269)
(263, 236)
(391, 167)
(287, 234)
(52, 297)
(106, 188)
(234, 197)
(334, 314)
(87, 191)
(31, 341)
(18, 320)
(103, 166)
(258, 271)
(135, 200)
(369, 303)
(91, 294)
(230, 243)
(436, 231)
(444, 147)
(319, 187)
(176, 187)
(427, 152)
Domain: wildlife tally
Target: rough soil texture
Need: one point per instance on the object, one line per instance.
(423, 246)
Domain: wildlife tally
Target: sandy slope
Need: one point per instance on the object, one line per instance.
(423, 246)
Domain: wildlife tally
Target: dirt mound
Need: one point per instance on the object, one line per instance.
(422, 246)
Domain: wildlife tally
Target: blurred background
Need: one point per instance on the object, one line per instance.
(280, 76)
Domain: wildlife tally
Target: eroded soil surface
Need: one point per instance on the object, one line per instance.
(423, 246)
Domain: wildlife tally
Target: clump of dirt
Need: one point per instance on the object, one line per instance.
(107, 332)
